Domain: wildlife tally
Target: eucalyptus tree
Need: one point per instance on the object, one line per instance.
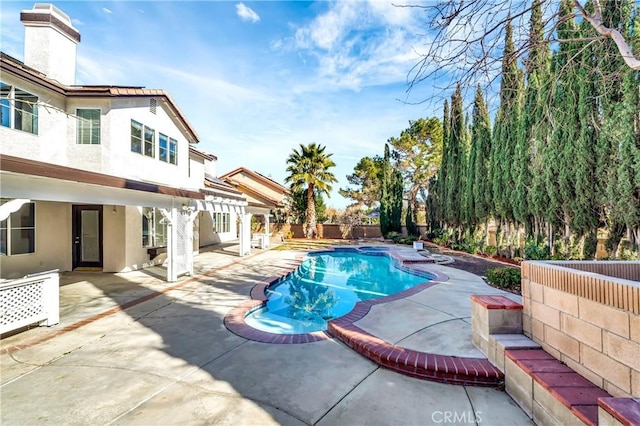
(308, 169)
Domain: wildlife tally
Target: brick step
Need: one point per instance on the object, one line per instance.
(548, 390)
(426, 366)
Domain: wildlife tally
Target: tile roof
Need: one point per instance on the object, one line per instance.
(268, 181)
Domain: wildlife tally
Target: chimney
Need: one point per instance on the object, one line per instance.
(50, 42)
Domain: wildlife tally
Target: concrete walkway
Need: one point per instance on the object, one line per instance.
(170, 360)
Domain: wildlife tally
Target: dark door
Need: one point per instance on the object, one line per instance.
(87, 236)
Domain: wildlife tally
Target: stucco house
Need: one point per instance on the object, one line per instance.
(103, 177)
(267, 199)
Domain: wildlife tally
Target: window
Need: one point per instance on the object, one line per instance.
(154, 228)
(18, 109)
(18, 231)
(168, 151)
(88, 129)
(164, 148)
(152, 105)
(173, 151)
(221, 222)
(149, 142)
(136, 137)
(5, 105)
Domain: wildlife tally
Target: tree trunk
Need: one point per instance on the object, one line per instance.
(311, 213)
(567, 240)
(486, 232)
(636, 234)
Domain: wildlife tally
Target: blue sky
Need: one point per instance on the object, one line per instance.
(256, 79)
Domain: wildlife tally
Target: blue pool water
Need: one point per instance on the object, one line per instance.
(327, 285)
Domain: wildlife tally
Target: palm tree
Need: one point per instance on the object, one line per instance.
(309, 167)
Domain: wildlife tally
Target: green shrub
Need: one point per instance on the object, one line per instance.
(472, 247)
(507, 278)
(408, 239)
(456, 246)
(490, 250)
(393, 236)
(536, 251)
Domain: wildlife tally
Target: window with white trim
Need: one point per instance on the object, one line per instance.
(18, 109)
(149, 142)
(163, 151)
(173, 151)
(18, 231)
(88, 127)
(221, 222)
(168, 149)
(136, 137)
(154, 228)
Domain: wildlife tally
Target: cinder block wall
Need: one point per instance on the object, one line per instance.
(590, 321)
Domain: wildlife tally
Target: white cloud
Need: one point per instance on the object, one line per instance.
(77, 22)
(246, 13)
(107, 11)
(358, 44)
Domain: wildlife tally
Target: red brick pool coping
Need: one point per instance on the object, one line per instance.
(421, 365)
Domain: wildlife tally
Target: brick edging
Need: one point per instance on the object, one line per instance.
(421, 365)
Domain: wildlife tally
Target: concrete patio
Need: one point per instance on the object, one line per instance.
(133, 349)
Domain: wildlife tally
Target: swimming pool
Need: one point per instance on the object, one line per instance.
(327, 285)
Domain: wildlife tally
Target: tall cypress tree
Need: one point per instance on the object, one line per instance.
(505, 132)
(558, 171)
(585, 202)
(471, 219)
(617, 14)
(444, 166)
(454, 187)
(505, 135)
(385, 193)
(397, 190)
(479, 159)
(532, 117)
(623, 127)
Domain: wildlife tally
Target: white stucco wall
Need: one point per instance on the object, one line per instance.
(196, 172)
(50, 51)
(136, 255)
(113, 238)
(120, 161)
(56, 139)
(53, 243)
(206, 234)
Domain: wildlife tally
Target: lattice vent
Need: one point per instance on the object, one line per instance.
(21, 303)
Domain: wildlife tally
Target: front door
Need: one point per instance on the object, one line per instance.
(87, 236)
